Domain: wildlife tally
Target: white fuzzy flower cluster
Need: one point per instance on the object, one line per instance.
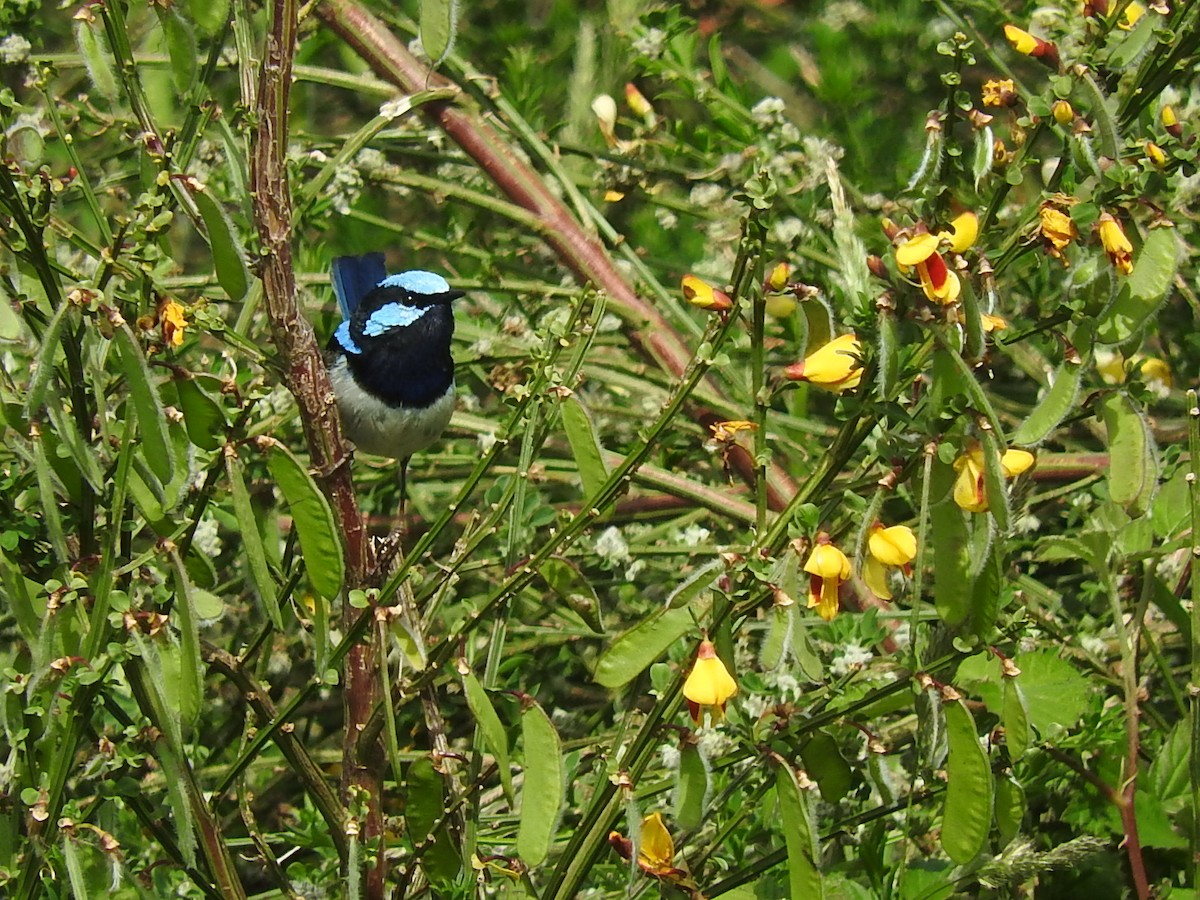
(852, 658)
(611, 546)
(768, 112)
(651, 43)
(14, 49)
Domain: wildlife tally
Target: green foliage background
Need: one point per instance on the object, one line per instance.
(179, 597)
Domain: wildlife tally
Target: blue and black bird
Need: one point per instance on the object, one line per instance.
(389, 359)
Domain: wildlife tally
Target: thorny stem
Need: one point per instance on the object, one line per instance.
(306, 377)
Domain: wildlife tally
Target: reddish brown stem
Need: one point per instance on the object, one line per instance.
(580, 251)
(308, 380)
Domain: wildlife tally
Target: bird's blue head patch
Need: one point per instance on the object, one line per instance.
(418, 282)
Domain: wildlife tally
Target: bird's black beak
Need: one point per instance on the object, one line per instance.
(450, 296)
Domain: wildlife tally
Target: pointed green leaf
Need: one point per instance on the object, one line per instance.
(491, 728)
(438, 25)
(629, 655)
(202, 415)
(1132, 458)
(969, 789)
(155, 438)
(251, 541)
(230, 266)
(1059, 399)
(1145, 290)
(543, 788)
(1016, 719)
(313, 520)
(691, 787)
(1010, 808)
(803, 854)
(581, 435)
(570, 585)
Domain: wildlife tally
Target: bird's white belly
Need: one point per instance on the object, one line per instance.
(383, 430)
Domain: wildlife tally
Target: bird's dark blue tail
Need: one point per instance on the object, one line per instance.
(356, 276)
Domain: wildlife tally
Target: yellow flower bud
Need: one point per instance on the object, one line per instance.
(1063, 112)
(703, 295)
(1116, 244)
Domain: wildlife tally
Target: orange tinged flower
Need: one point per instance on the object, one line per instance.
(638, 103)
(827, 567)
(836, 366)
(1170, 121)
(709, 685)
(893, 547)
(1057, 230)
(703, 295)
(1025, 43)
(993, 323)
(999, 92)
(173, 320)
(655, 851)
(1116, 243)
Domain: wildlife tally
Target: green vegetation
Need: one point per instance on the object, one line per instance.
(818, 518)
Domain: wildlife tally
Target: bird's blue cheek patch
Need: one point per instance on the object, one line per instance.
(343, 337)
(393, 315)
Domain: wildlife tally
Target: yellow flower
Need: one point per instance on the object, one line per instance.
(999, 92)
(937, 281)
(703, 295)
(656, 849)
(638, 103)
(1154, 369)
(828, 567)
(172, 319)
(1116, 244)
(1022, 41)
(709, 685)
(993, 323)
(1156, 155)
(1170, 121)
(964, 230)
(969, 491)
(728, 431)
(1057, 229)
(780, 275)
(1063, 112)
(1025, 43)
(1133, 12)
(836, 366)
(893, 547)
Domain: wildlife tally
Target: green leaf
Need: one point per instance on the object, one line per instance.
(985, 592)
(1016, 720)
(93, 47)
(190, 687)
(951, 540)
(425, 818)
(312, 519)
(1169, 776)
(210, 15)
(1145, 290)
(1055, 694)
(825, 764)
(438, 25)
(202, 415)
(156, 444)
(581, 435)
(1010, 808)
(1104, 126)
(230, 267)
(629, 655)
(491, 728)
(994, 483)
(43, 364)
(181, 47)
(252, 542)
(983, 156)
(803, 852)
(1132, 460)
(969, 789)
(543, 787)
(887, 354)
(570, 585)
(1059, 399)
(691, 787)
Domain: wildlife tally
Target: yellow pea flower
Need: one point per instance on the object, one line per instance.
(937, 281)
(835, 366)
(964, 230)
(173, 321)
(828, 568)
(1116, 243)
(709, 685)
(703, 295)
(893, 547)
(1057, 229)
(969, 490)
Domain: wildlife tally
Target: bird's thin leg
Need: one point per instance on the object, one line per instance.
(404, 495)
(395, 539)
